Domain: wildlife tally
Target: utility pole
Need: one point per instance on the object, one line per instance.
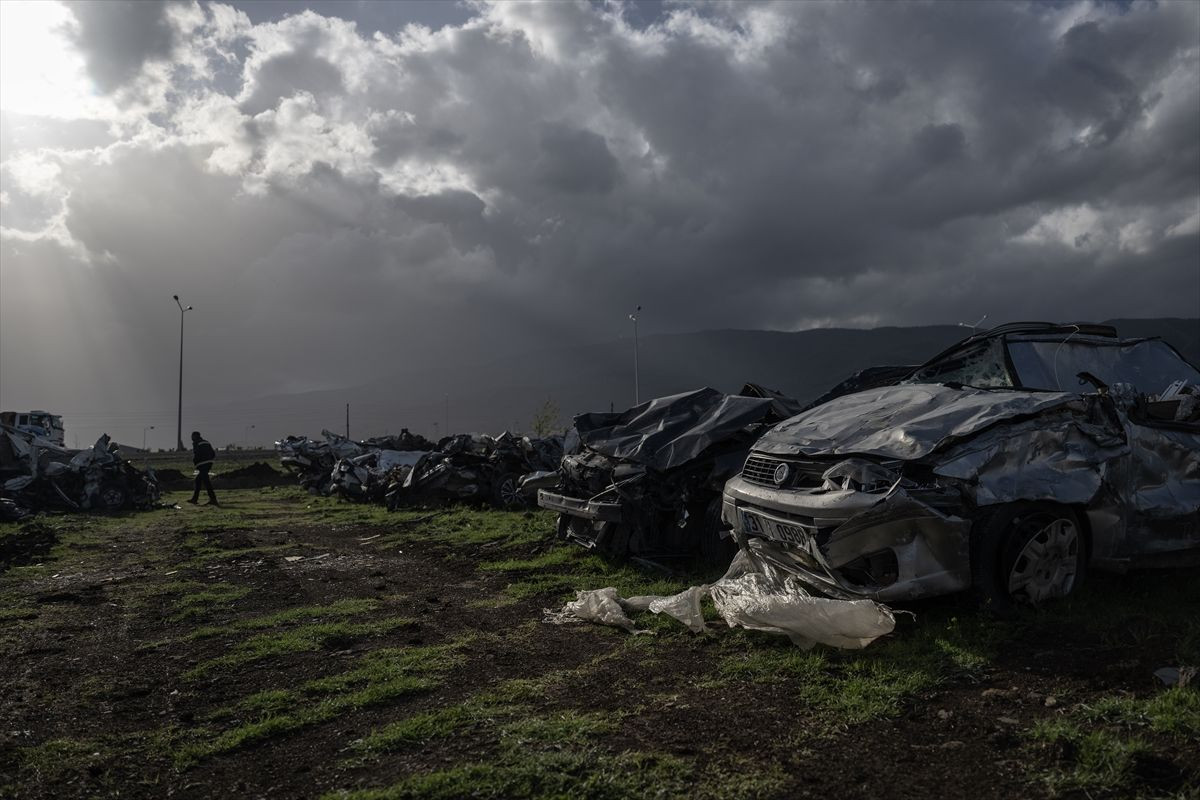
(637, 391)
(179, 417)
(147, 428)
(347, 420)
(447, 414)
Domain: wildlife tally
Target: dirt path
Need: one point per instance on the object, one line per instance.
(288, 646)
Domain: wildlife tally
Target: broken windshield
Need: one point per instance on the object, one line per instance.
(1150, 365)
(980, 365)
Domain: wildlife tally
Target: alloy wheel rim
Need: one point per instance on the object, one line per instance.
(510, 495)
(1047, 564)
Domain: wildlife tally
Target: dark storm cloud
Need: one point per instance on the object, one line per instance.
(350, 203)
(116, 37)
(575, 161)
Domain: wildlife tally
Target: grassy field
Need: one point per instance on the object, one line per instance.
(290, 646)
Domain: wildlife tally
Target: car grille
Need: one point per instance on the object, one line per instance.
(760, 470)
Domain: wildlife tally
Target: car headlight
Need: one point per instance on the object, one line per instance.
(860, 475)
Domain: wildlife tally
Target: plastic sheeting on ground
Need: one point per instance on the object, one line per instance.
(749, 595)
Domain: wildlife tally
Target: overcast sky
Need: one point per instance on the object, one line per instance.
(342, 188)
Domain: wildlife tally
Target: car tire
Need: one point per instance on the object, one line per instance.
(112, 497)
(715, 550)
(1026, 554)
(506, 492)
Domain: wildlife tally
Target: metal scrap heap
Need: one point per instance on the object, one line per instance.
(480, 468)
(38, 475)
(408, 469)
(646, 482)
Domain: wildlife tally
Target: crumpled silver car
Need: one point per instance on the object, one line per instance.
(1009, 464)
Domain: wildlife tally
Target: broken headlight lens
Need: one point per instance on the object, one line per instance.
(859, 475)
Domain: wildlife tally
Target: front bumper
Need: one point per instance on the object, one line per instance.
(591, 510)
(885, 547)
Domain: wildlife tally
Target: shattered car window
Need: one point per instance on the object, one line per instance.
(1150, 366)
(981, 365)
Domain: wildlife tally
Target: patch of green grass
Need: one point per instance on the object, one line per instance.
(574, 570)
(348, 607)
(436, 724)
(555, 557)
(459, 528)
(305, 638)
(774, 665)
(507, 700)
(1174, 712)
(563, 728)
(853, 687)
(1100, 743)
(581, 772)
(18, 612)
(1099, 760)
(380, 677)
(57, 757)
(212, 597)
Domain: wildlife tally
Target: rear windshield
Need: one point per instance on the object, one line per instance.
(1150, 366)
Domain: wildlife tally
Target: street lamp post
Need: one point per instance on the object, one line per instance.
(147, 428)
(179, 418)
(246, 435)
(637, 392)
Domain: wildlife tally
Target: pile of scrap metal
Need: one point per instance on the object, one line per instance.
(408, 469)
(36, 474)
(501, 471)
(646, 483)
(363, 470)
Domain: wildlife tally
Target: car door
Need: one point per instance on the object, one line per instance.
(1151, 511)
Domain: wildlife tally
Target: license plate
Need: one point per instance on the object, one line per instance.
(779, 531)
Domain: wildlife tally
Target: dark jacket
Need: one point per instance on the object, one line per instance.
(202, 453)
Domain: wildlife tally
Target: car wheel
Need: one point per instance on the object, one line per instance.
(715, 551)
(1027, 554)
(507, 492)
(112, 497)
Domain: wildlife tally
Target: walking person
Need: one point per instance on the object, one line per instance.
(203, 456)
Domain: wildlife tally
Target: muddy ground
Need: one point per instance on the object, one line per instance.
(290, 646)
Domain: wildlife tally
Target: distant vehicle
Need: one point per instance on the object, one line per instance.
(1008, 464)
(39, 423)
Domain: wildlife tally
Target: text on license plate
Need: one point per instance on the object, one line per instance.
(779, 531)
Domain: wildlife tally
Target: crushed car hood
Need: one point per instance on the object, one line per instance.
(667, 432)
(904, 422)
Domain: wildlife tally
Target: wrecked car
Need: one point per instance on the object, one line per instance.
(1009, 464)
(312, 461)
(369, 477)
(361, 471)
(646, 482)
(479, 468)
(37, 474)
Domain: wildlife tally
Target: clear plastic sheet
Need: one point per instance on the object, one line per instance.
(750, 595)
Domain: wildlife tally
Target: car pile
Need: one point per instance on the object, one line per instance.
(1010, 465)
(37, 475)
(408, 469)
(354, 470)
(646, 482)
(477, 468)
